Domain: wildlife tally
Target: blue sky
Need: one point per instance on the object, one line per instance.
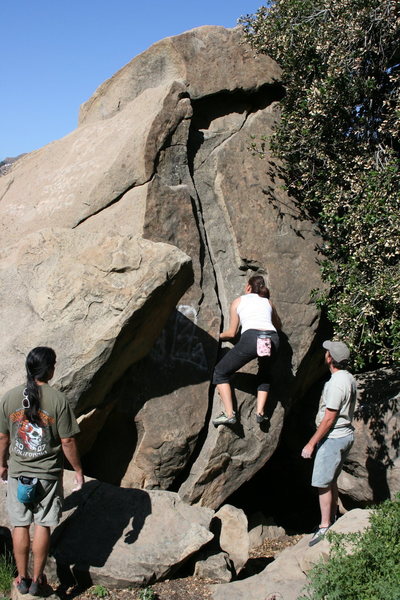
(55, 53)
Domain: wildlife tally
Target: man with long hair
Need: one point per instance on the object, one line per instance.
(37, 426)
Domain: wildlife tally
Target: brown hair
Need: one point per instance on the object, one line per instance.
(257, 284)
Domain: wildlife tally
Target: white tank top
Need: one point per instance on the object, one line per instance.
(255, 312)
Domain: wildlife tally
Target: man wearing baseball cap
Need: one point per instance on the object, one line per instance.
(334, 435)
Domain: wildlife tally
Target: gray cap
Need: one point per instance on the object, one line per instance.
(338, 350)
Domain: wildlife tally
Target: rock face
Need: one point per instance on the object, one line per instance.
(372, 471)
(161, 156)
(6, 164)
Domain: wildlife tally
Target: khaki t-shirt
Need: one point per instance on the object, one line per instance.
(35, 450)
(339, 394)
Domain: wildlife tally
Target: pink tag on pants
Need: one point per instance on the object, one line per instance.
(264, 345)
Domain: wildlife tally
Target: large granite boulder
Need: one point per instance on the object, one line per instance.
(162, 153)
(92, 298)
(372, 470)
(122, 537)
(217, 207)
(70, 180)
(207, 59)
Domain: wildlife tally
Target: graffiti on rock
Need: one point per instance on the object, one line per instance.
(179, 342)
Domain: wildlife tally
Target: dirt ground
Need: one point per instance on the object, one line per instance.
(185, 588)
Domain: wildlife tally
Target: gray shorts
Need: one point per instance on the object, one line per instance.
(331, 454)
(45, 511)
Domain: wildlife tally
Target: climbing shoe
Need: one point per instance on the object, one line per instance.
(222, 419)
(318, 535)
(37, 588)
(23, 585)
(261, 418)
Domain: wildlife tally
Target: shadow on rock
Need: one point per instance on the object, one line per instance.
(182, 357)
(88, 536)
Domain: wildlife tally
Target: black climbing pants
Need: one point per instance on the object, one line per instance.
(245, 351)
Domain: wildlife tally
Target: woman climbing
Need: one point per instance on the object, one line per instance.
(259, 321)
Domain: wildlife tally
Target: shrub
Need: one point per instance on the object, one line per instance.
(147, 594)
(99, 591)
(362, 566)
(339, 140)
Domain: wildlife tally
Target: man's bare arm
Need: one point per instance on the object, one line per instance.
(4, 445)
(71, 453)
(323, 429)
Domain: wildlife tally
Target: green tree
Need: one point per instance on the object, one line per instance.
(338, 138)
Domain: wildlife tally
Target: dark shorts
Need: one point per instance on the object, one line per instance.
(45, 511)
(245, 351)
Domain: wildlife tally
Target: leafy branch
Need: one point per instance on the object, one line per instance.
(338, 138)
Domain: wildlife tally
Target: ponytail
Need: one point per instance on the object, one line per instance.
(39, 365)
(257, 284)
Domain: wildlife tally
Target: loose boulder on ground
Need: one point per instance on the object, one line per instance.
(123, 537)
(262, 528)
(233, 537)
